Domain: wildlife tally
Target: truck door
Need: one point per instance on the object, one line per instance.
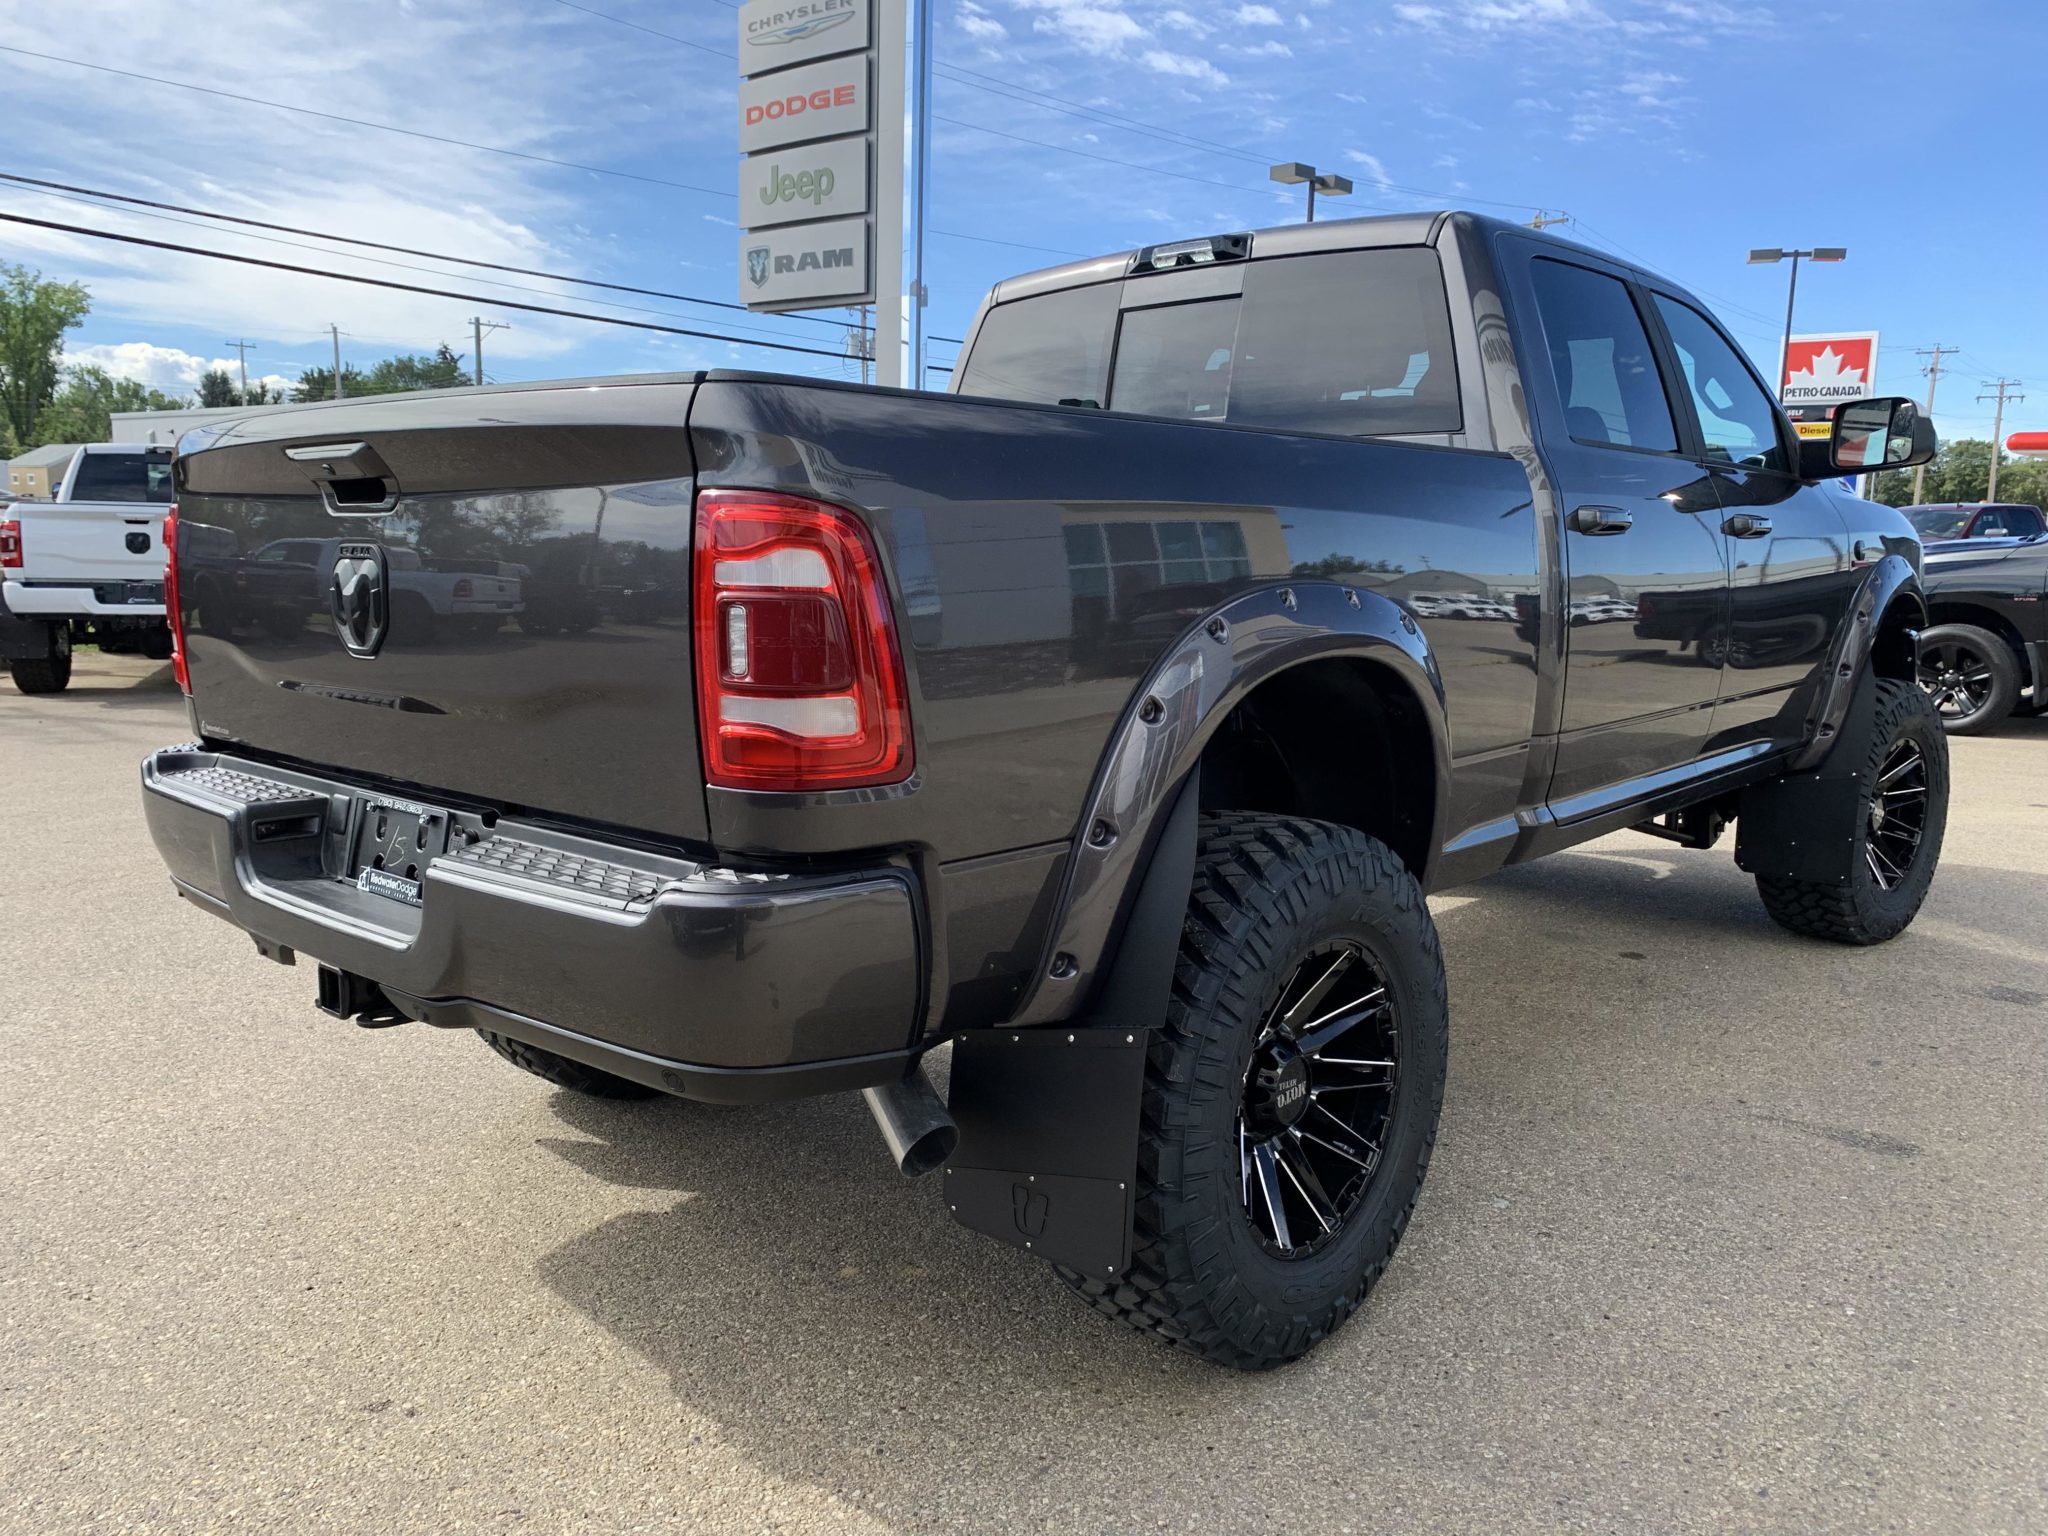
(1793, 572)
(1645, 587)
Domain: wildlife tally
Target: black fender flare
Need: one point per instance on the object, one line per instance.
(1891, 580)
(1134, 846)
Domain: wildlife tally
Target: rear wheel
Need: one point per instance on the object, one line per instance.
(1971, 676)
(1901, 791)
(565, 1073)
(47, 674)
(1291, 1100)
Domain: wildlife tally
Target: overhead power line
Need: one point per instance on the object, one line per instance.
(364, 122)
(439, 293)
(379, 245)
(437, 138)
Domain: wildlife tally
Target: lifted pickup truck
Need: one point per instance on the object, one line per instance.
(87, 565)
(1106, 721)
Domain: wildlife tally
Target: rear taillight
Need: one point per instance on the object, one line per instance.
(10, 544)
(174, 611)
(799, 676)
(462, 587)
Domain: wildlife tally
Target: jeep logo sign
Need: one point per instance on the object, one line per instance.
(793, 106)
(813, 181)
(805, 263)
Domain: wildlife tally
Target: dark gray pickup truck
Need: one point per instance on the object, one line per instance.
(1105, 721)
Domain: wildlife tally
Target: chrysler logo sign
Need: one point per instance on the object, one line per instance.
(799, 22)
(360, 597)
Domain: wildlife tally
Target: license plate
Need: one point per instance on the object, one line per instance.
(394, 842)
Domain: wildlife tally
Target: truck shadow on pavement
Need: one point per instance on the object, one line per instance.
(830, 1324)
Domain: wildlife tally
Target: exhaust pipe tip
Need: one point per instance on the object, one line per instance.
(914, 1121)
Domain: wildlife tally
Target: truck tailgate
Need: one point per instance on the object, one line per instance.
(528, 551)
(115, 545)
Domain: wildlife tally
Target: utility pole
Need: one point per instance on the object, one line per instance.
(335, 330)
(477, 326)
(242, 352)
(1933, 372)
(2004, 388)
(1545, 219)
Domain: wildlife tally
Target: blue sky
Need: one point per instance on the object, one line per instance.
(1679, 132)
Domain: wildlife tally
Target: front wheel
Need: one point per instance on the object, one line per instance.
(1970, 674)
(1290, 1100)
(1901, 812)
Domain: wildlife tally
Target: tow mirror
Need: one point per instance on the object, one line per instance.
(1888, 432)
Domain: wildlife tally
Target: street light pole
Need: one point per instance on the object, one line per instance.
(1329, 183)
(1764, 256)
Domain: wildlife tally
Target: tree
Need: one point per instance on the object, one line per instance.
(34, 315)
(81, 411)
(396, 374)
(1961, 471)
(318, 384)
(217, 388)
(392, 376)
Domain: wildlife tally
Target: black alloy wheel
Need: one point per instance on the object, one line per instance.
(1969, 675)
(1318, 1092)
(1898, 816)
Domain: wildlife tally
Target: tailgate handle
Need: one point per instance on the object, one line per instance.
(353, 478)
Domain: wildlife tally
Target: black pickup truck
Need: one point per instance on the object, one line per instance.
(1985, 654)
(1105, 721)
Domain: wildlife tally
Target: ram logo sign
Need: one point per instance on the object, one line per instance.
(799, 265)
(1827, 370)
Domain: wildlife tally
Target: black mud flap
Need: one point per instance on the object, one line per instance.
(1794, 828)
(1048, 1155)
(25, 639)
(1049, 1116)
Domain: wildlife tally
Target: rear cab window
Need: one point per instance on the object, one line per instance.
(1350, 343)
(143, 477)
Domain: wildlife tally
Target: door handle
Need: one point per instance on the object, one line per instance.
(1746, 525)
(1600, 520)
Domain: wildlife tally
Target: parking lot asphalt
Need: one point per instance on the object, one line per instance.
(1727, 1231)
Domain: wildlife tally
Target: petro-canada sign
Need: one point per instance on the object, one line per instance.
(1829, 370)
(806, 127)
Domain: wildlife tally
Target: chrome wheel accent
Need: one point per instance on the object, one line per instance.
(1956, 678)
(1898, 816)
(1318, 1094)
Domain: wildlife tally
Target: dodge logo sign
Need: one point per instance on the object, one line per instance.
(361, 597)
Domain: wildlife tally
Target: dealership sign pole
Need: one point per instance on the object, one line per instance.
(821, 185)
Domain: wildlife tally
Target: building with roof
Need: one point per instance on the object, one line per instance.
(37, 473)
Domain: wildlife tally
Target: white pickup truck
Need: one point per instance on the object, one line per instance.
(88, 565)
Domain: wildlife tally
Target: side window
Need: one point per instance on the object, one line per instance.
(1738, 422)
(1601, 358)
(2023, 522)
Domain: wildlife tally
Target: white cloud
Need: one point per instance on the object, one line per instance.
(1095, 28)
(420, 67)
(976, 22)
(1271, 48)
(1256, 16)
(1651, 87)
(1181, 21)
(1184, 66)
(170, 369)
(1369, 163)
